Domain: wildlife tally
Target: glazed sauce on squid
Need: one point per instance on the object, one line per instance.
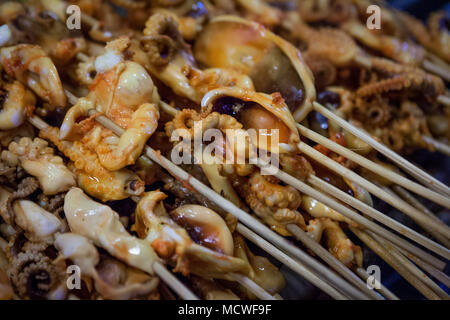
(327, 175)
(256, 117)
(274, 73)
(201, 234)
(252, 116)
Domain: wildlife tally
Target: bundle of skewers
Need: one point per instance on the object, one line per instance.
(92, 120)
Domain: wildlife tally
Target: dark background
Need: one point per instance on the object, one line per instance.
(420, 8)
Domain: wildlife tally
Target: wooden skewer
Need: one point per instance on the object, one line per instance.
(439, 146)
(383, 290)
(319, 250)
(394, 263)
(405, 195)
(181, 174)
(175, 284)
(169, 278)
(438, 61)
(411, 266)
(289, 262)
(419, 174)
(374, 214)
(396, 202)
(251, 286)
(433, 68)
(362, 61)
(241, 215)
(374, 167)
(435, 273)
(326, 256)
(445, 100)
(402, 264)
(312, 245)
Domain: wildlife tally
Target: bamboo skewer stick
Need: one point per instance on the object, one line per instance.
(411, 266)
(172, 281)
(331, 260)
(241, 215)
(435, 273)
(383, 290)
(437, 60)
(433, 68)
(369, 224)
(419, 174)
(316, 248)
(445, 100)
(405, 195)
(181, 174)
(439, 237)
(289, 262)
(250, 285)
(394, 263)
(175, 284)
(439, 146)
(374, 167)
(374, 214)
(413, 201)
(396, 202)
(402, 266)
(325, 255)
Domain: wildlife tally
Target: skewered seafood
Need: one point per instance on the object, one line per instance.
(240, 75)
(30, 65)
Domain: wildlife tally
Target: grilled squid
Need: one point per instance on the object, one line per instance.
(6, 290)
(30, 65)
(262, 271)
(275, 204)
(273, 64)
(84, 254)
(101, 224)
(336, 241)
(39, 224)
(257, 111)
(164, 53)
(38, 159)
(17, 102)
(91, 175)
(122, 91)
(405, 52)
(172, 242)
(319, 210)
(206, 226)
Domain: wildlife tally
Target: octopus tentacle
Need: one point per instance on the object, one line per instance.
(91, 175)
(32, 273)
(26, 187)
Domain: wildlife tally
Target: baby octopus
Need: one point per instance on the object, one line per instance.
(91, 175)
(38, 160)
(15, 103)
(31, 66)
(124, 92)
(275, 204)
(395, 77)
(336, 241)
